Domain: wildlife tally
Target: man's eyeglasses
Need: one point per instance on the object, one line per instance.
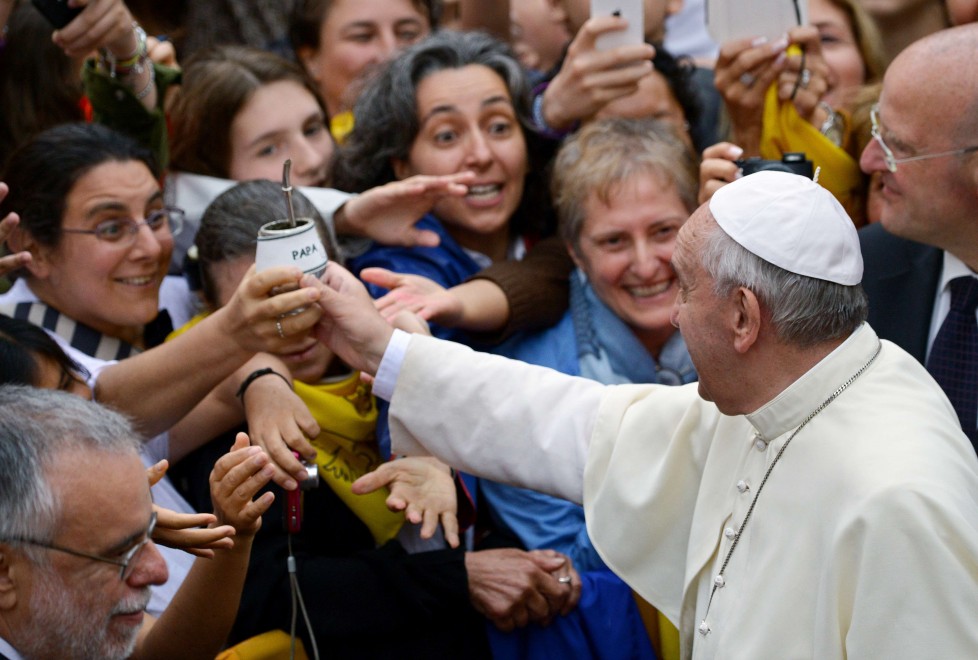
(122, 231)
(127, 561)
(891, 160)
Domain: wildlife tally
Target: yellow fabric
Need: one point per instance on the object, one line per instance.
(346, 447)
(785, 131)
(340, 126)
(663, 635)
(272, 645)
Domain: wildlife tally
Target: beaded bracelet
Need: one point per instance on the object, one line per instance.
(255, 375)
(149, 85)
(134, 62)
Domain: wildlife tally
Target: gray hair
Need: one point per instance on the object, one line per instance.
(608, 152)
(229, 226)
(804, 310)
(36, 426)
(386, 113)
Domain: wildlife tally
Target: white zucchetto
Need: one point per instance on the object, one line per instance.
(791, 222)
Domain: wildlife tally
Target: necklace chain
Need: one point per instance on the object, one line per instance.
(704, 627)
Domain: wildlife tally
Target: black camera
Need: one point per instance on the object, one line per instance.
(792, 162)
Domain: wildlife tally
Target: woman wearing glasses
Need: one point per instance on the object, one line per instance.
(91, 215)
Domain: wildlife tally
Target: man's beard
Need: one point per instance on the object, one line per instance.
(62, 626)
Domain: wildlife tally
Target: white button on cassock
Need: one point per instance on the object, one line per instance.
(743, 486)
(760, 444)
(704, 628)
(719, 581)
(730, 532)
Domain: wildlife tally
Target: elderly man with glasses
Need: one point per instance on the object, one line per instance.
(77, 557)
(920, 264)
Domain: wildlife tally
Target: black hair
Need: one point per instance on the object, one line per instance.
(21, 343)
(42, 172)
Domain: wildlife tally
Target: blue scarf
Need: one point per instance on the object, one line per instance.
(610, 353)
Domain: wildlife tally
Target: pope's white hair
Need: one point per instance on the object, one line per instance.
(804, 310)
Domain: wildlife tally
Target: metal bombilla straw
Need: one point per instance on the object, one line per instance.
(287, 189)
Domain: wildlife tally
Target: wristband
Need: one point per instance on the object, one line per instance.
(149, 85)
(255, 375)
(540, 122)
(134, 62)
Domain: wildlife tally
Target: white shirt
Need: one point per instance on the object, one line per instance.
(9, 651)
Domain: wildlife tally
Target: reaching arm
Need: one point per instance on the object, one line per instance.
(423, 488)
(194, 533)
(504, 298)
(195, 362)
(387, 214)
(278, 420)
(198, 620)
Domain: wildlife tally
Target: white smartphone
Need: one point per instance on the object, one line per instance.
(632, 11)
(727, 20)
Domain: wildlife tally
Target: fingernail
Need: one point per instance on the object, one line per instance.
(781, 59)
(268, 472)
(760, 41)
(736, 151)
(780, 44)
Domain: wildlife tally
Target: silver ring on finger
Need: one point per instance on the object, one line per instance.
(278, 326)
(806, 77)
(747, 79)
(564, 579)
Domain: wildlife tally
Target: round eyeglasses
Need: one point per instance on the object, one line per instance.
(122, 231)
(891, 160)
(127, 561)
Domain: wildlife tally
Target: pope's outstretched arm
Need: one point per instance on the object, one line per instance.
(497, 418)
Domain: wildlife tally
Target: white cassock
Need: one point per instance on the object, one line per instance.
(863, 543)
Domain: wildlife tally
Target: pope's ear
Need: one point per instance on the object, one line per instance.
(746, 318)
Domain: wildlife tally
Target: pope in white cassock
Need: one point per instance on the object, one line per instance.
(813, 498)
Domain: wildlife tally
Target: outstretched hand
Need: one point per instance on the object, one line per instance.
(280, 422)
(413, 293)
(388, 213)
(187, 531)
(235, 480)
(423, 488)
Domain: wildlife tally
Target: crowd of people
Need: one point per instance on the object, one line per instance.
(583, 305)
